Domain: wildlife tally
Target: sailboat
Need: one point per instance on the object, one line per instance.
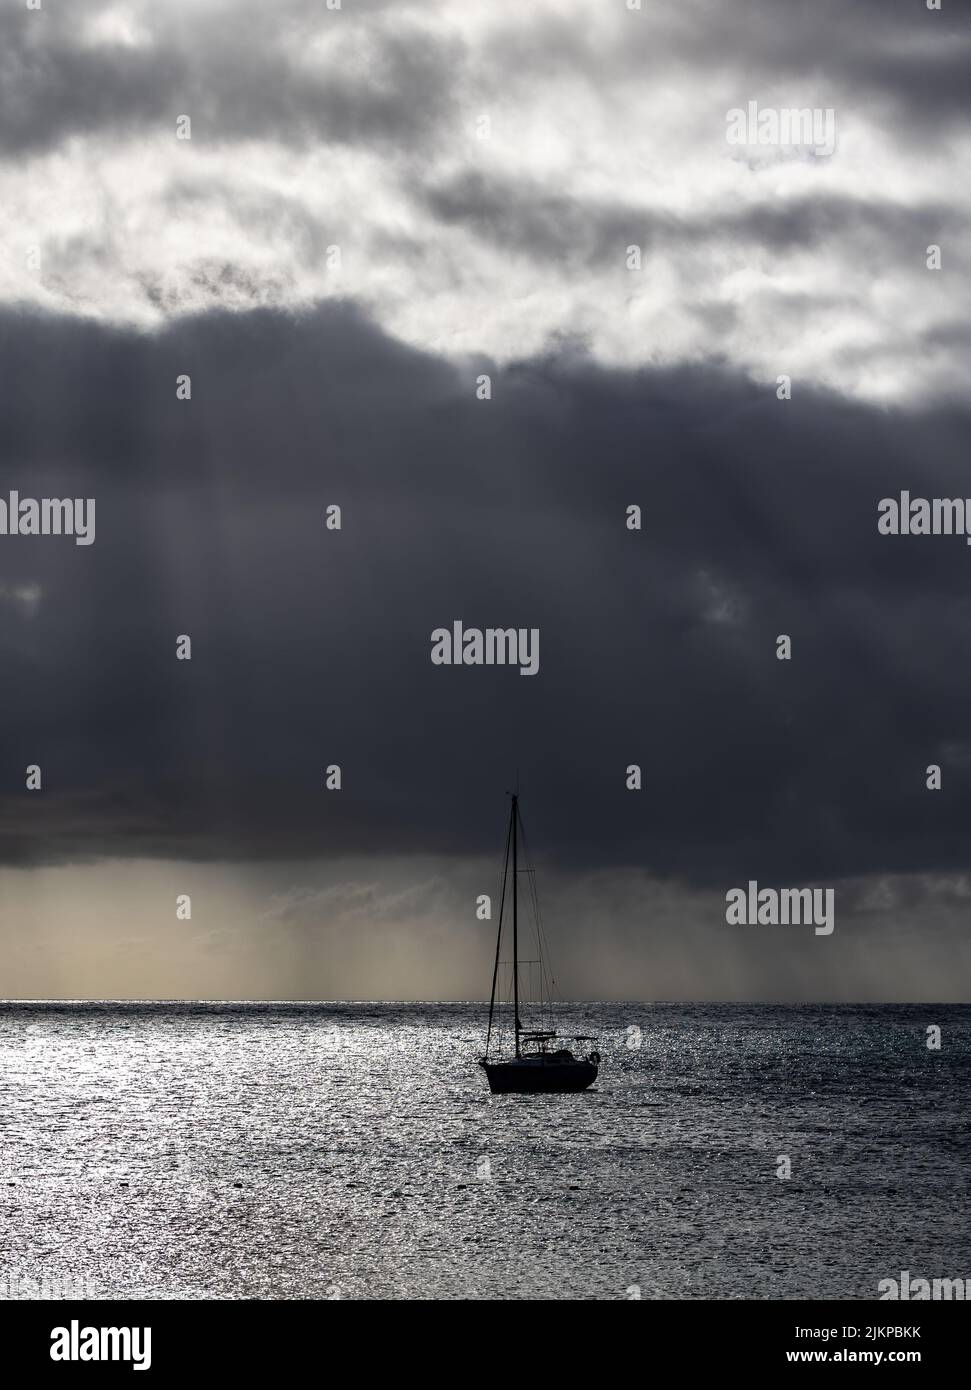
(539, 1062)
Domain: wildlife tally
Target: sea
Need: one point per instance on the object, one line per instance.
(353, 1151)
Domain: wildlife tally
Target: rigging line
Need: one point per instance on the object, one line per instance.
(531, 881)
(547, 979)
(541, 932)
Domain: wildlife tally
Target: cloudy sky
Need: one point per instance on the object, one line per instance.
(378, 206)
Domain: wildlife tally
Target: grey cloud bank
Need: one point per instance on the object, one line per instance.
(361, 129)
(311, 647)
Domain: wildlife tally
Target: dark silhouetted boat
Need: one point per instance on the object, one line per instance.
(517, 1058)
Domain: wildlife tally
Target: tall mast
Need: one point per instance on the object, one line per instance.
(495, 968)
(515, 917)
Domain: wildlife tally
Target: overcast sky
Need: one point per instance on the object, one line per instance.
(378, 206)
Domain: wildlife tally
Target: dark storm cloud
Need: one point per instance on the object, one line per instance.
(519, 215)
(239, 69)
(915, 63)
(906, 69)
(50, 90)
(236, 71)
(312, 647)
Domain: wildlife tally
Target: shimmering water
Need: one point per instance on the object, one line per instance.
(287, 1150)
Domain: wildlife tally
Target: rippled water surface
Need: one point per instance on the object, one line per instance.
(353, 1150)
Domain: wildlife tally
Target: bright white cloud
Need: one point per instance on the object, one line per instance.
(771, 261)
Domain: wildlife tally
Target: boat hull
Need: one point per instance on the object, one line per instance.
(539, 1078)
